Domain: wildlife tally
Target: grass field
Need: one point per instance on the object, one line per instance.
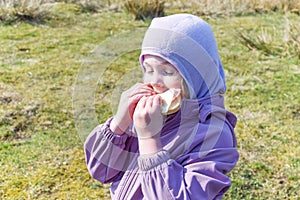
(41, 150)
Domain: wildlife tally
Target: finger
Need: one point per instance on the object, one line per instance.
(149, 102)
(142, 102)
(156, 100)
(138, 97)
(144, 90)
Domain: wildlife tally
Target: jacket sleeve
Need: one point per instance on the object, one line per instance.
(194, 175)
(106, 153)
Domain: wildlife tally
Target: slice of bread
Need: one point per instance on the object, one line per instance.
(171, 101)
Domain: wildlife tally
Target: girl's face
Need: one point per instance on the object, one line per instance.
(160, 74)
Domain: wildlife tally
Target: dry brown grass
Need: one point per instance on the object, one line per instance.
(22, 10)
(30, 10)
(266, 40)
(142, 10)
(209, 7)
(37, 11)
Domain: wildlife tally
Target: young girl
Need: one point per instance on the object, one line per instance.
(145, 154)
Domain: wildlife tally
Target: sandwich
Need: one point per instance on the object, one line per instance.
(171, 101)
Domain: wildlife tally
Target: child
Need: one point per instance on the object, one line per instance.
(145, 154)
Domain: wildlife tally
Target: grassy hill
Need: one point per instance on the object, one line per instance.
(41, 140)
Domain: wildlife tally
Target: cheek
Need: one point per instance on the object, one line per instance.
(146, 79)
(174, 82)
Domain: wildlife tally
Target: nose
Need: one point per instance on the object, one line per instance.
(156, 81)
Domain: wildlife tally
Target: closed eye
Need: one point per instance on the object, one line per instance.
(148, 70)
(168, 72)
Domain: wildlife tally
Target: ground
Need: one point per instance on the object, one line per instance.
(42, 149)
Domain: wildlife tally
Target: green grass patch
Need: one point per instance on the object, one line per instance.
(41, 151)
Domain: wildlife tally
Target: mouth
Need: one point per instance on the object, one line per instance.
(159, 90)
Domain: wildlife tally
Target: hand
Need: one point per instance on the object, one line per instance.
(147, 117)
(127, 104)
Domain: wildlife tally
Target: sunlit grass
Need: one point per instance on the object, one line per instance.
(42, 153)
(262, 90)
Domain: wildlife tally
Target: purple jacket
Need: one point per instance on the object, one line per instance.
(183, 170)
(199, 145)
